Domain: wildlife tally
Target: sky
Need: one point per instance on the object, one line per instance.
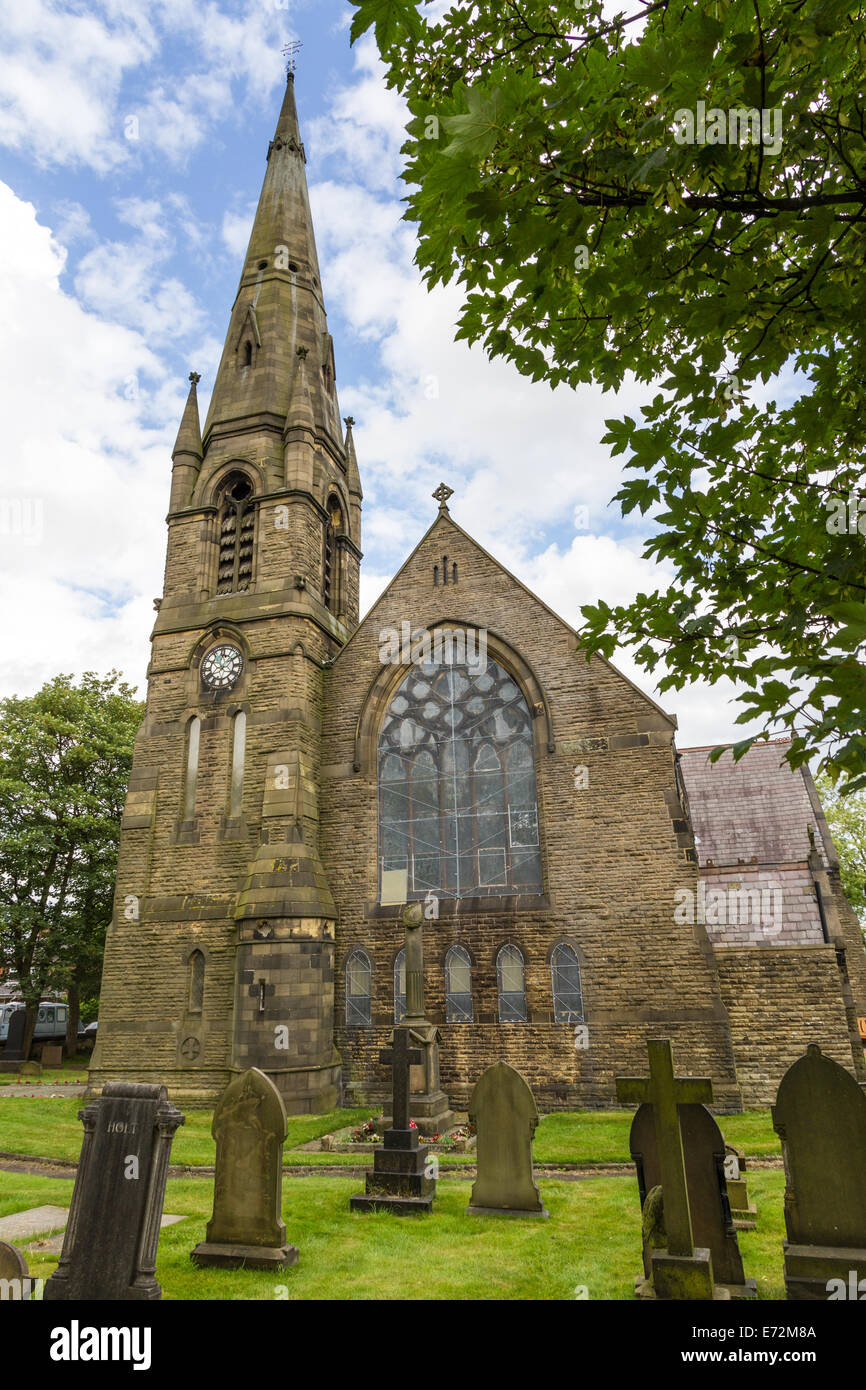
(133, 136)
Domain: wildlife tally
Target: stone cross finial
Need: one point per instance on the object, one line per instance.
(348, 421)
(441, 495)
(666, 1093)
(195, 378)
(400, 1057)
(302, 352)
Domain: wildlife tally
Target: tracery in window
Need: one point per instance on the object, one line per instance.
(457, 796)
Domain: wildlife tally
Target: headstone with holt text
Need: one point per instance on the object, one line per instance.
(109, 1249)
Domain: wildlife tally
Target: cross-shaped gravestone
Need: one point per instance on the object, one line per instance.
(400, 1057)
(665, 1093)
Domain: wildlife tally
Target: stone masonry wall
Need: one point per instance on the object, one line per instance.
(614, 855)
(779, 999)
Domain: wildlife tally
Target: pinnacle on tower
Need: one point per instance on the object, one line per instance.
(186, 456)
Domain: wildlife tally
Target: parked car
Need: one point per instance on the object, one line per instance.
(51, 1019)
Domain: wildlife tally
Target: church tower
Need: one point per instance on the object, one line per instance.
(220, 955)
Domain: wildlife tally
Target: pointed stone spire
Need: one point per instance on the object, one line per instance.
(353, 476)
(186, 455)
(279, 306)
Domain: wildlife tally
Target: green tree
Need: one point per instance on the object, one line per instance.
(846, 817)
(606, 226)
(65, 758)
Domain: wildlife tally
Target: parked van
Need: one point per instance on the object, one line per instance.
(50, 1021)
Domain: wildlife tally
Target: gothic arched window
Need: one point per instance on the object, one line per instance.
(511, 981)
(565, 980)
(400, 986)
(457, 799)
(236, 518)
(359, 990)
(193, 737)
(239, 736)
(330, 567)
(196, 982)
(458, 986)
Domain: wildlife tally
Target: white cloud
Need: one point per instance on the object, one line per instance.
(63, 92)
(235, 231)
(81, 464)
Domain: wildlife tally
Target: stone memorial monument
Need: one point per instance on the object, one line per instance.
(399, 1181)
(109, 1249)
(13, 1052)
(246, 1228)
(428, 1103)
(820, 1117)
(505, 1115)
(15, 1276)
(710, 1212)
(681, 1269)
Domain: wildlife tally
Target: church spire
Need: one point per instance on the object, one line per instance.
(279, 307)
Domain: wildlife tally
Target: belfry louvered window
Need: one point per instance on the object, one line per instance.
(237, 533)
(330, 560)
(457, 798)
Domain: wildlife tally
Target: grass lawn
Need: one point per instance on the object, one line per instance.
(601, 1136)
(592, 1239)
(48, 1126)
(72, 1069)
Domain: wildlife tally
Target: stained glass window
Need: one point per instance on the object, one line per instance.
(359, 979)
(565, 979)
(511, 982)
(457, 799)
(458, 986)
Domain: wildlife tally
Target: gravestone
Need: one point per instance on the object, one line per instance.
(52, 1055)
(820, 1117)
(681, 1269)
(400, 1182)
(109, 1249)
(504, 1113)
(246, 1229)
(13, 1052)
(743, 1211)
(704, 1156)
(13, 1273)
(30, 1069)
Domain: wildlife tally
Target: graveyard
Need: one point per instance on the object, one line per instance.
(591, 1240)
(241, 1224)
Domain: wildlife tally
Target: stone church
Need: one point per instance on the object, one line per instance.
(300, 776)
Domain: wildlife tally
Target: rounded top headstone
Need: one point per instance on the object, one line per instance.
(12, 1263)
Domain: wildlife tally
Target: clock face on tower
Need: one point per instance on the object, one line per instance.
(221, 667)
